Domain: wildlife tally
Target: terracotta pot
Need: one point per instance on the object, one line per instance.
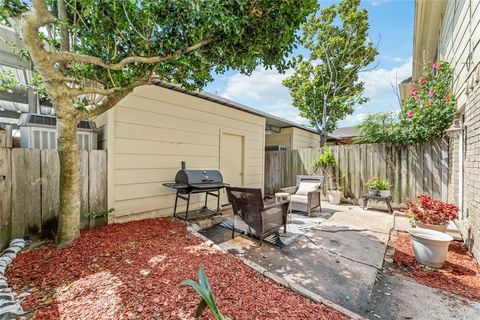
(430, 246)
(436, 227)
(334, 196)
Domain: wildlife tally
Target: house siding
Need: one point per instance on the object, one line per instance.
(154, 130)
(459, 44)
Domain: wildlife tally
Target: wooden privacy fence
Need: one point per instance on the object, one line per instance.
(29, 189)
(412, 170)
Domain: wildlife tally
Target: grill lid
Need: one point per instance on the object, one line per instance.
(197, 177)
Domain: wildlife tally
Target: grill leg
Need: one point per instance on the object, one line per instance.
(206, 199)
(175, 208)
(218, 202)
(188, 204)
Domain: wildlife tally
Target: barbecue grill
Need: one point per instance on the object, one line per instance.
(188, 182)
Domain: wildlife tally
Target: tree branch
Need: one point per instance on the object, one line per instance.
(77, 57)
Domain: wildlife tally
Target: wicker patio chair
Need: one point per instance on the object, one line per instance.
(305, 196)
(247, 203)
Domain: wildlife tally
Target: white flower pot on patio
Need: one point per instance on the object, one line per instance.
(334, 196)
(430, 246)
(436, 227)
(385, 193)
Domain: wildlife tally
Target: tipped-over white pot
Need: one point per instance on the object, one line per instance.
(430, 246)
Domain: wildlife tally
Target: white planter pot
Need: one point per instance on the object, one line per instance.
(430, 246)
(436, 227)
(334, 196)
(385, 193)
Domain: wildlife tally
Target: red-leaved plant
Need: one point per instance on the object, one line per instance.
(431, 211)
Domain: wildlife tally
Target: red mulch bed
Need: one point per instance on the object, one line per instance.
(132, 271)
(460, 273)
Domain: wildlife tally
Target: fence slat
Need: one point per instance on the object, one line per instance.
(5, 195)
(410, 170)
(97, 164)
(26, 192)
(50, 173)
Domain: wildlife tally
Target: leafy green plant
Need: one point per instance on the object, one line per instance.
(326, 159)
(377, 183)
(98, 214)
(379, 127)
(326, 163)
(205, 291)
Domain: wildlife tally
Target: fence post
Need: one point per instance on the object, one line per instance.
(5, 186)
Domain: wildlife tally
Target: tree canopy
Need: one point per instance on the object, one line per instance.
(117, 45)
(92, 53)
(325, 86)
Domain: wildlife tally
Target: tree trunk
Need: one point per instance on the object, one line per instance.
(69, 214)
(323, 139)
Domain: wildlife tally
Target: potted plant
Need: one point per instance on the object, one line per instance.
(98, 218)
(378, 186)
(383, 187)
(431, 214)
(335, 196)
(326, 162)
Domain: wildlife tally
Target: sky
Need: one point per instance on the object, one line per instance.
(391, 24)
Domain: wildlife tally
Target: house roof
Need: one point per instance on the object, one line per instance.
(345, 133)
(270, 119)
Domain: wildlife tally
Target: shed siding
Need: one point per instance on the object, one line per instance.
(294, 138)
(157, 128)
(283, 138)
(305, 139)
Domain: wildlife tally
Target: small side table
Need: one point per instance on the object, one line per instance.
(280, 196)
(387, 201)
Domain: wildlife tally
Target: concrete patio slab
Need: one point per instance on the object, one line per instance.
(341, 259)
(397, 297)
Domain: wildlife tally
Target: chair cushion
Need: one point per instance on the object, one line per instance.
(299, 199)
(305, 187)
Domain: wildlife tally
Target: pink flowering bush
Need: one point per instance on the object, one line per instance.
(425, 114)
(431, 211)
(429, 109)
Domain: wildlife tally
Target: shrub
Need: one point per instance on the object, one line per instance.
(431, 211)
(326, 162)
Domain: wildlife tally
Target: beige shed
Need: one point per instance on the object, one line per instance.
(153, 129)
(293, 138)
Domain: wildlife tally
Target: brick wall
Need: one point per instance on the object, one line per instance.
(470, 223)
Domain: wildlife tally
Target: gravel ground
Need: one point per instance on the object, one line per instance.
(132, 271)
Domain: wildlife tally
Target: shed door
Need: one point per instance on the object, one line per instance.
(231, 161)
